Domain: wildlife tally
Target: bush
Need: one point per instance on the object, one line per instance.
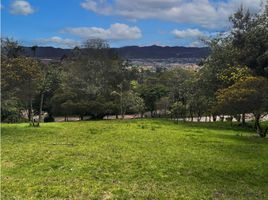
(12, 118)
(229, 119)
(49, 118)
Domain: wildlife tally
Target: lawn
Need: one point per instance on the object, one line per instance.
(133, 159)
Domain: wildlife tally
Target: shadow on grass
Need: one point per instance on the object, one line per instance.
(251, 139)
(219, 126)
(244, 134)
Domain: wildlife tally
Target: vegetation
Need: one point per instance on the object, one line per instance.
(145, 158)
(133, 159)
(245, 96)
(95, 82)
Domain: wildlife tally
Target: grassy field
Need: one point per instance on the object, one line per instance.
(133, 159)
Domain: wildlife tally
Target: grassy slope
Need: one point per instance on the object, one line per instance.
(138, 159)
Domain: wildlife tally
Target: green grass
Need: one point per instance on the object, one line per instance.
(133, 159)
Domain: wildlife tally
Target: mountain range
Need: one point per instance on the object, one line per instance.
(128, 52)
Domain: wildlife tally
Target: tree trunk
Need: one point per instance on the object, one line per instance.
(243, 119)
(199, 117)
(31, 113)
(40, 109)
(121, 102)
(262, 133)
(123, 114)
(191, 116)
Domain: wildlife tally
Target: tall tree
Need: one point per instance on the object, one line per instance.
(21, 76)
(248, 95)
(93, 72)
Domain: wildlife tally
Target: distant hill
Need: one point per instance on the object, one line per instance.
(128, 52)
(46, 52)
(158, 52)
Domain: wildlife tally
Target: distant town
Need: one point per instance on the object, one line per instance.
(149, 57)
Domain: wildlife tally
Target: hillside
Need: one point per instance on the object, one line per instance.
(129, 52)
(158, 52)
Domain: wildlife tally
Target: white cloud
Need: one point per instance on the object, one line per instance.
(188, 33)
(21, 7)
(59, 41)
(208, 14)
(115, 32)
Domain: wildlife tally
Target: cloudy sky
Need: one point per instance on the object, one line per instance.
(66, 23)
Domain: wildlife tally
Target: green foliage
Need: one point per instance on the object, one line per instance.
(151, 94)
(245, 96)
(19, 81)
(163, 104)
(245, 46)
(90, 76)
(94, 81)
(10, 111)
(10, 48)
(49, 118)
(21, 74)
(137, 104)
(178, 110)
(232, 74)
(177, 83)
(49, 85)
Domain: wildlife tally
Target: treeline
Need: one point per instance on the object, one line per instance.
(95, 82)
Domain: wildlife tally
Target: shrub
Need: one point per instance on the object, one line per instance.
(49, 118)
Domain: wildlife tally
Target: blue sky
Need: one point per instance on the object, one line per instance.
(67, 23)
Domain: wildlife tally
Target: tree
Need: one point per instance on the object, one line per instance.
(240, 54)
(121, 97)
(163, 104)
(10, 110)
(176, 82)
(243, 51)
(138, 104)
(134, 103)
(59, 103)
(92, 73)
(248, 95)
(10, 48)
(20, 78)
(178, 110)
(230, 76)
(33, 49)
(249, 38)
(151, 94)
(49, 82)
